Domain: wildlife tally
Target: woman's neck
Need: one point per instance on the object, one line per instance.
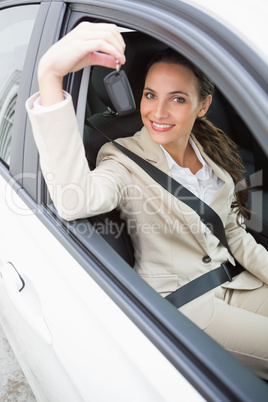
(184, 156)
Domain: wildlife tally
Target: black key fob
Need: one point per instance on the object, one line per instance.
(120, 93)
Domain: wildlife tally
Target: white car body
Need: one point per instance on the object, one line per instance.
(115, 348)
(74, 339)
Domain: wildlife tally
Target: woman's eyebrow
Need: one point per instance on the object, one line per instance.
(170, 93)
(178, 92)
(148, 89)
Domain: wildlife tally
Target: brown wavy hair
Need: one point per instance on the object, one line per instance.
(216, 144)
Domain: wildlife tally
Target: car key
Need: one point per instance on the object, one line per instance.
(119, 91)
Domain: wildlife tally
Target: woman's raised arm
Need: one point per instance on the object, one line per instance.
(75, 191)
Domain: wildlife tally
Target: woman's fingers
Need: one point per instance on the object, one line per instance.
(91, 52)
(81, 47)
(103, 59)
(87, 39)
(106, 32)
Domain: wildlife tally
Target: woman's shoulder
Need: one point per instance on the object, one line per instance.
(110, 151)
(133, 143)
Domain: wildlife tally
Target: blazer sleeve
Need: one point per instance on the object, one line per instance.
(251, 255)
(76, 191)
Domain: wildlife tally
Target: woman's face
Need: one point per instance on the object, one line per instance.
(170, 104)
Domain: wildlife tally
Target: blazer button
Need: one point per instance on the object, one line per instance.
(206, 259)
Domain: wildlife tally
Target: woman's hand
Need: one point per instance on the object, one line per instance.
(87, 44)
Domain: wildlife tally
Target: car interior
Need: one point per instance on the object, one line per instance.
(100, 115)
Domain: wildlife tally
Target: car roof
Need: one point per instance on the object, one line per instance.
(246, 18)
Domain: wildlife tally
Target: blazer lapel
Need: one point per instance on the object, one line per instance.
(154, 154)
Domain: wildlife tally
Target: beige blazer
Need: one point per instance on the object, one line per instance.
(169, 240)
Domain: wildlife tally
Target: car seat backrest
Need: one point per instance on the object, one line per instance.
(139, 50)
(225, 117)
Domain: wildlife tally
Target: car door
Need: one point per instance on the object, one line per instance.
(82, 324)
(22, 316)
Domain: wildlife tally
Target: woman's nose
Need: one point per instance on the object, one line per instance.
(161, 110)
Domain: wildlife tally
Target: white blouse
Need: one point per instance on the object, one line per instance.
(205, 184)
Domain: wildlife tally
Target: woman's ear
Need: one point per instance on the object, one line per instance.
(205, 106)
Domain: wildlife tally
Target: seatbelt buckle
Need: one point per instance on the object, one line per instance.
(224, 266)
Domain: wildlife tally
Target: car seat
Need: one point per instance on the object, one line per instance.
(139, 50)
(100, 113)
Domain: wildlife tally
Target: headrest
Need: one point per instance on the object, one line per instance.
(140, 49)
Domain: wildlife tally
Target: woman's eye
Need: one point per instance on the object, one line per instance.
(179, 100)
(149, 95)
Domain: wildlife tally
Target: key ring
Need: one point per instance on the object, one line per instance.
(117, 65)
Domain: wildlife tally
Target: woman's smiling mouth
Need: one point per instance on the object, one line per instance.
(161, 126)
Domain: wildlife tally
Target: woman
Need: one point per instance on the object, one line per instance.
(172, 245)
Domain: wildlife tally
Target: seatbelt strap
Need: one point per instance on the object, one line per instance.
(203, 284)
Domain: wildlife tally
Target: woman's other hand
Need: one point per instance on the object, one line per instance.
(87, 44)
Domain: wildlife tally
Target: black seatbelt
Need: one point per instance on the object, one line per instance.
(203, 284)
(209, 217)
